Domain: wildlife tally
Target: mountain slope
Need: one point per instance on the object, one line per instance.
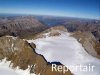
(20, 25)
(89, 42)
(22, 55)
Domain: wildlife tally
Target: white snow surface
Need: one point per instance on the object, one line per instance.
(5, 69)
(68, 51)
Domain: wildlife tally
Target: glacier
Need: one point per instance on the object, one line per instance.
(68, 51)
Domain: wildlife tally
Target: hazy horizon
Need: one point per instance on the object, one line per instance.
(65, 8)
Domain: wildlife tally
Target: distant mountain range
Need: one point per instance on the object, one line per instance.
(24, 25)
(20, 25)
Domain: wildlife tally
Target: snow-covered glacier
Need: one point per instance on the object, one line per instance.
(68, 51)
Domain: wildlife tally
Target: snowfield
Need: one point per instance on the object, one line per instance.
(5, 69)
(68, 51)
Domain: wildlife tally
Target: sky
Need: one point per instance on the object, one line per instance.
(69, 8)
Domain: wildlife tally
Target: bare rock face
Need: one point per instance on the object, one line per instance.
(17, 51)
(89, 42)
(23, 55)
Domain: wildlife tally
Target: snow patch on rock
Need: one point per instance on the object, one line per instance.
(5, 69)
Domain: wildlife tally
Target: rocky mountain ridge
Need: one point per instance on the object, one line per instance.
(89, 42)
(50, 32)
(22, 54)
